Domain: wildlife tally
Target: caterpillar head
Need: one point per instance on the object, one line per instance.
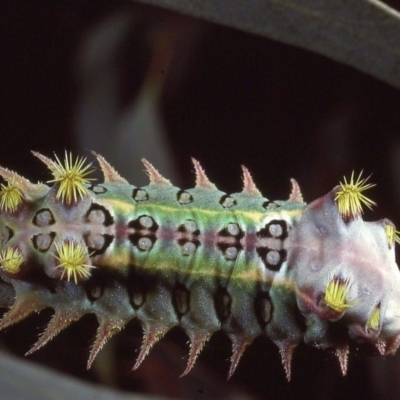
(346, 279)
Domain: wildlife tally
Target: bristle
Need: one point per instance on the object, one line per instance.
(336, 294)
(392, 345)
(105, 332)
(48, 162)
(109, 173)
(202, 180)
(249, 186)
(72, 176)
(22, 184)
(154, 176)
(239, 345)
(22, 308)
(60, 321)
(286, 349)
(349, 197)
(197, 343)
(11, 259)
(295, 194)
(151, 336)
(73, 258)
(381, 347)
(342, 353)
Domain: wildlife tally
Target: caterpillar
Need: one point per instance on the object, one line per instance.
(200, 259)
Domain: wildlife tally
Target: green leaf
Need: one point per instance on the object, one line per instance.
(364, 34)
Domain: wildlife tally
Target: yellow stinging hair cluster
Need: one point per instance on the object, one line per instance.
(336, 294)
(71, 177)
(11, 259)
(10, 197)
(391, 234)
(73, 258)
(349, 197)
(373, 321)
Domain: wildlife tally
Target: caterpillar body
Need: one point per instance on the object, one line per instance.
(199, 259)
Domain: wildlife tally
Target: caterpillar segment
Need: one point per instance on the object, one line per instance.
(199, 259)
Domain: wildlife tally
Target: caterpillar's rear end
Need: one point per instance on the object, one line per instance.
(199, 259)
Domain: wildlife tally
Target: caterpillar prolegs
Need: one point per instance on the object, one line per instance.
(199, 259)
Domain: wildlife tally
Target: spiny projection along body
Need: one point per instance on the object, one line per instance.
(199, 259)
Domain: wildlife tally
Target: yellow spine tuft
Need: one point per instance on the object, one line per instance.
(10, 197)
(73, 258)
(349, 197)
(71, 177)
(336, 294)
(373, 322)
(391, 234)
(11, 260)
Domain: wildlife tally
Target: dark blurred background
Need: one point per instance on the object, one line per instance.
(131, 81)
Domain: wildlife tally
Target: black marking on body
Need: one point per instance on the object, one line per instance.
(270, 205)
(97, 214)
(94, 289)
(6, 235)
(143, 242)
(97, 243)
(140, 286)
(43, 217)
(187, 239)
(43, 241)
(140, 195)
(227, 201)
(188, 245)
(145, 224)
(184, 197)
(229, 241)
(230, 250)
(181, 299)
(274, 229)
(97, 189)
(231, 230)
(190, 227)
(272, 258)
(263, 309)
(223, 303)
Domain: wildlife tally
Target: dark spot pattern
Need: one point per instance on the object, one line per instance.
(98, 189)
(233, 230)
(181, 299)
(184, 197)
(43, 217)
(43, 241)
(140, 195)
(229, 240)
(272, 258)
(276, 229)
(222, 303)
(144, 223)
(97, 243)
(227, 201)
(189, 226)
(270, 205)
(263, 308)
(188, 245)
(230, 251)
(142, 242)
(6, 235)
(98, 214)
